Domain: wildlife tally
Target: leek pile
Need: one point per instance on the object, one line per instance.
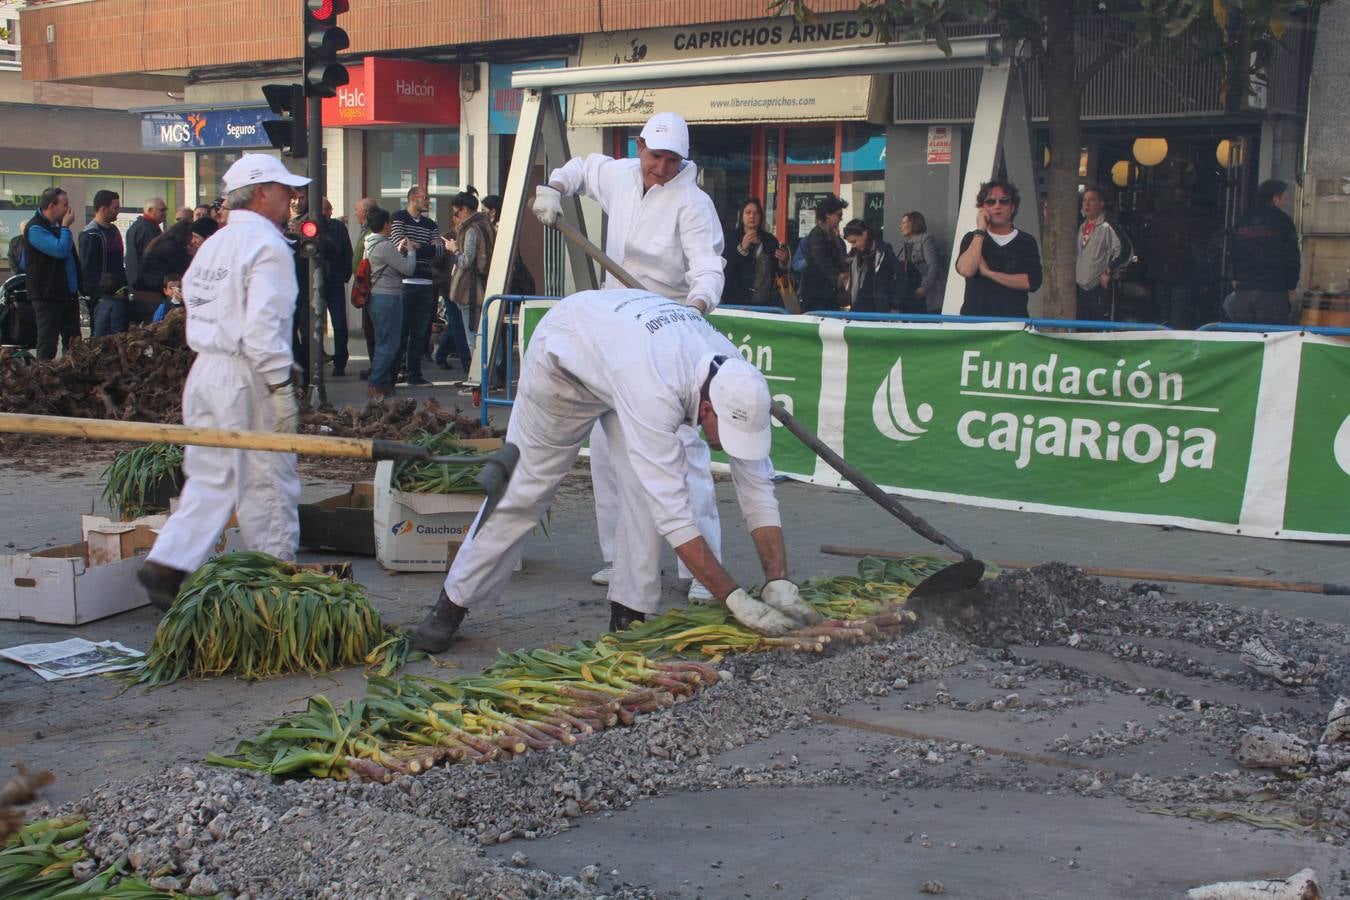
(541, 699)
(37, 862)
(133, 478)
(438, 478)
(251, 615)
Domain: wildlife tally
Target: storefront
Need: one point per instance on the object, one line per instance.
(213, 137)
(408, 113)
(786, 142)
(135, 177)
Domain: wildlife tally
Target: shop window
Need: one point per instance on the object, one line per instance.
(392, 161)
(810, 146)
(135, 191)
(18, 202)
(211, 168)
(863, 176)
(440, 142)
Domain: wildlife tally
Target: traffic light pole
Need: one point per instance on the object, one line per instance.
(317, 309)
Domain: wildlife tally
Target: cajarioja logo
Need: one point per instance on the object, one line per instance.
(890, 409)
(1341, 446)
(404, 527)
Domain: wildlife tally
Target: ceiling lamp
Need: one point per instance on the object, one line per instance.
(1150, 151)
(1120, 173)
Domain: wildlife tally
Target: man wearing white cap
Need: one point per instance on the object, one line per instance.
(643, 367)
(664, 230)
(239, 294)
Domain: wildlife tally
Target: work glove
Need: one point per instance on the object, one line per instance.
(783, 596)
(547, 204)
(285, 409)
(758, 617)
(700, 301)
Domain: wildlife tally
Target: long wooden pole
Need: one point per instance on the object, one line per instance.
(1239, 581)
(149, 432)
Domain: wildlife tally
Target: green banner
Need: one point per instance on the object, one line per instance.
(1145, 427)
(1240, 433)
(1318, 498)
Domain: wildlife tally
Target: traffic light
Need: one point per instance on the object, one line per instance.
(307, 244)
(288, 134)
(324, 40)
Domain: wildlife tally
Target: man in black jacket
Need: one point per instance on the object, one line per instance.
(336, 248)
(826, 269)
(100, 248)
(1000, 263)
(1266, 260)
(139, 235)
(53, 274)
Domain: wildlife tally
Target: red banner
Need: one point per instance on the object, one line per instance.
(395, 92)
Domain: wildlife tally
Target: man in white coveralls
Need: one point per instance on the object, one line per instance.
(642, 366)
(664, 230)
(240, 298)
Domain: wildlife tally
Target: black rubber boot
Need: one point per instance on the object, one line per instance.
(620, 616)
(161, 583)
(438, 629)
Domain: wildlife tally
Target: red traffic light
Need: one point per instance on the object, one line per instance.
(325, 11)
(309, 229)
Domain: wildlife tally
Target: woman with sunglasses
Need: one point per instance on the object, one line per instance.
(1001, 264)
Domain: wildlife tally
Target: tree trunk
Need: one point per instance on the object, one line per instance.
(1063, 106)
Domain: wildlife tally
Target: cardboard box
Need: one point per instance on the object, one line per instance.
(345, 523)
(60, 585)
(105, 536)
(413, 532)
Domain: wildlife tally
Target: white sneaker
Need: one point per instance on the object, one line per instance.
(603, 576)
(698, 593)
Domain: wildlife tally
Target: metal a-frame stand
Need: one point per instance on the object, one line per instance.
(1001, 129)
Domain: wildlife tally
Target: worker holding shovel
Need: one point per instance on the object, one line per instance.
(642, 366)
(664, 229)
(240, 298)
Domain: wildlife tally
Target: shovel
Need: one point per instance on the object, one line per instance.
(955, 579)
(492, 478)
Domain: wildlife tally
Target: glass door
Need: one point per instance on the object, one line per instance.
(440, 172)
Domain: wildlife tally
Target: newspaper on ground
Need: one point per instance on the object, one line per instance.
(74, 658)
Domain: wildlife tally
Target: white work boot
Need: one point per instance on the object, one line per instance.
(603, 576)
(698, 593)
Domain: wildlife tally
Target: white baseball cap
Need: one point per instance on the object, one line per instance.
(740, 397)
(259, 168)
(667, 131)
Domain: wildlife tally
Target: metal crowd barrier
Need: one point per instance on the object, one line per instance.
(1249, 328)
(511, 321)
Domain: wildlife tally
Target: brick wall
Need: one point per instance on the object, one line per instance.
(103, 38)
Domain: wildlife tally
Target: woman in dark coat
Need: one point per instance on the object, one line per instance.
(754, 260)
(168, 254)
(826, 270)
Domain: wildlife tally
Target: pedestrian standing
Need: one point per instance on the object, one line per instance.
(363, 206)
(754, 260)
(1266, 260)
(390, 263)
(1001, 264)
(240, 293)
(144, 230)
(101, 251)
(53, 273)
(1098, 249)
(643, 367)
(922, 264)
(337, 271)
(419, 290)
(825, 275)
(471, 251)
(875, 280)
(664, 230)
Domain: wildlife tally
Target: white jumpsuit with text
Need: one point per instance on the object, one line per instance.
(634, 362)
(240, 295)
(670, 239)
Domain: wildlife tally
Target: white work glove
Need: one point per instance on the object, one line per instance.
(758, 617)
(783, 596)
(547, 204)
(285, 409)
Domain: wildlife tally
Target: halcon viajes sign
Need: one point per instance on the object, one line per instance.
(1246, 434)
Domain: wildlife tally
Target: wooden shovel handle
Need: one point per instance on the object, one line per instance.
(149, 432)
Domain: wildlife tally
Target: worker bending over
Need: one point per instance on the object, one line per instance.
(642, 366)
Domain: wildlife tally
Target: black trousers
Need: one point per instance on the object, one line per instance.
(56, 319)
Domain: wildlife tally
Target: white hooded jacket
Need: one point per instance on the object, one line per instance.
(669, 237)
(240, 293)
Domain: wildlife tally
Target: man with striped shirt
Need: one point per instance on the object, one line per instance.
(419, 292)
